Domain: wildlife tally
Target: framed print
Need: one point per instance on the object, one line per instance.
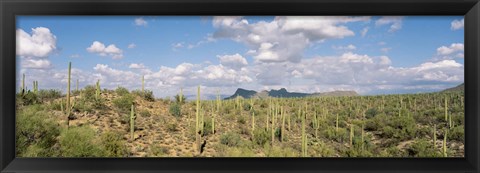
(185, 86)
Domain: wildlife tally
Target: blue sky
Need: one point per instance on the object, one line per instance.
(368, 54)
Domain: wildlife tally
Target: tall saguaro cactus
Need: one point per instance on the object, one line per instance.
(197, 117)
(132, 122)
(445, 144)
(446, 109)
(68, 92)
(304, 137)
(97, 91)
(435, 136)
(23, 85)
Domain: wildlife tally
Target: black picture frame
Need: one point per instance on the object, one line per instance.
(10, 8)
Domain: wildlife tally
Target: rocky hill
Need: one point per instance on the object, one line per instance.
(460, 87)
(283, 93)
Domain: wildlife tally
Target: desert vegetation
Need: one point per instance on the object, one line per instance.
(96, 122)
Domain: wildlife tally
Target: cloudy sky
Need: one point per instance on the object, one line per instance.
(370, 55)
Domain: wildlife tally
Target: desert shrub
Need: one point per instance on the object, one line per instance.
(372, 112)
(82, 106)
(121, 91)
(276, 151)
(388, 132)
(124, 103)
(89, 93)
(49, 94)
(261, 136)
(393, 151)
(207, 127)
(246, 106)
(239, 152)
(321, 149)
(172, 127)
(177, 99)
(146, 95)
(241, 120)
(230, 139)
(175, 110)
(79, 142)
(423, 148)
(338, 136)
(457, 133)
(36, 134)
(376, 123)
(29, 98)
(405, 127)
(158, 151)
(113, 145)
(144, 113)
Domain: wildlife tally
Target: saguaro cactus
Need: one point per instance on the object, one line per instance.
(77, 86)
(23, 85)
(132, 122)
(446, 109)
(97, 91)
(68, 92)
(304, 137)
(351, 135)
(445, 144)
(434, 136)
(336, 124)
(197, 117)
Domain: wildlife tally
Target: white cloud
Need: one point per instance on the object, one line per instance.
(110, 50)
(136, 66)
(349, 47)
(39, 44)
(453, 48)
(177, 46)
(235, 61)
(140, 22)
(364, 31)
(131, 46)
(34, 48)
(272, 41)
(36, 63)
(395, 22)
(457, 24)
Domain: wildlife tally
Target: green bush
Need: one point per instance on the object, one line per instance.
(89, 93)
(121, 91)
(261, 136)
(177, 99)
(49, 94)
(124, 103)
(29, 98)
(144, 113)
(157, 151)
(172, 127)
(230, 139)
(372, 112)
(36, 133)
(423, 148)
(457, 133)
(113, 145)
(147, 94)
(79, 142)
(175, 110)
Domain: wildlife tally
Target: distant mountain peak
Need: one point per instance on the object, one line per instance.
(283, 93)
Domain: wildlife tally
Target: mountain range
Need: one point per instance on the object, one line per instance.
(285, 94)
